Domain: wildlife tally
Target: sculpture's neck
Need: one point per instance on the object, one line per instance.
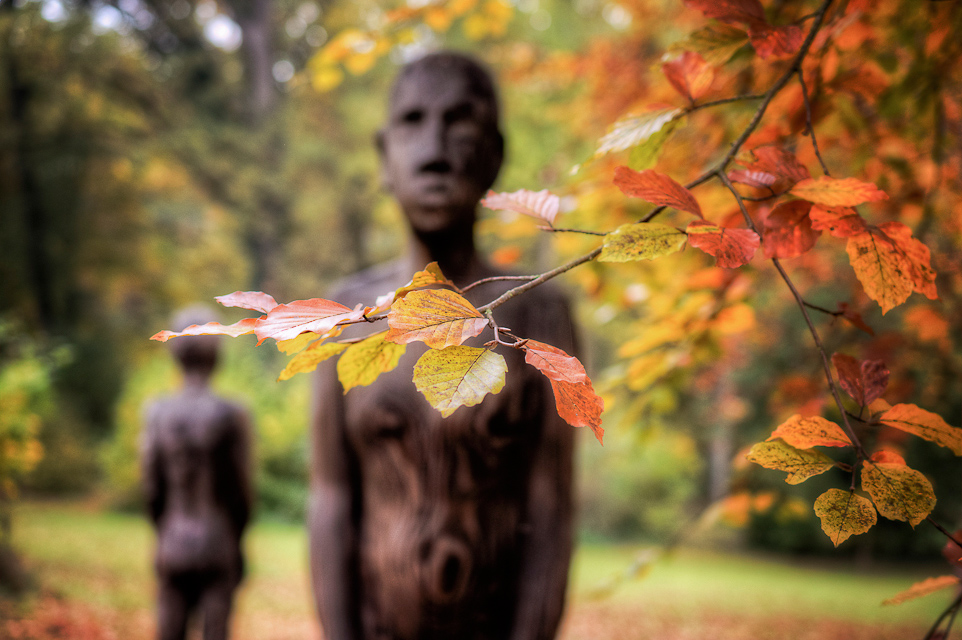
(452, 249)
(196, 381)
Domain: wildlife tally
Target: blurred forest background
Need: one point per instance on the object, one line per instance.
(157, 153)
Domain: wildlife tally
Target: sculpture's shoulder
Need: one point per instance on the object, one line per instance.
(366, 285)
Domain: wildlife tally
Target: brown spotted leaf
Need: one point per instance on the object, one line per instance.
(641, 241)
(814, 431)
(656, 188)
(883, 270)
(863, 380)
(916, 254)
(924, 424)
(554, 363)
(731, 248)
(308, 359)
(841, 222)
(899, 492)
(924, 588)
(458, 376)
(788, 230)
(437, 317)
(800, 464)
(844, 514)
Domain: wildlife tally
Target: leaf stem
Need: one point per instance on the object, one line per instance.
(808, 121)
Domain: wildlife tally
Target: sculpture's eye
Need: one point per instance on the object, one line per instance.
(463, 111)
(413, 116)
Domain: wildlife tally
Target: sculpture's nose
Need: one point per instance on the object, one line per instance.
(433, 148)
(446, 570)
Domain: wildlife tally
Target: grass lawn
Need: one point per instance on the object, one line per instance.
(96, 583)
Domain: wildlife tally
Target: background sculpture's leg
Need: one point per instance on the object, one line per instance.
(172, 610)
(215, 606)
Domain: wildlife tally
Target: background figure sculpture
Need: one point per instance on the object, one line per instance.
(196, 475)
(422, 526)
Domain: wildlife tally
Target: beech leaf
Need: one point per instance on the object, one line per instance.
(800, 464)
(437, 317)
(841, 222)
(815, 431)
(717, 43)
(458, 376)
(924, 424)
(645, 154)
(924, 588)
(769, 40)
(844, 514)
(308, 359)
(854, 317)
(916, 254)
(239, 328)
(537, 204)
(749, 12)
(579, 405)
(899, 492)
(362, 362)
(690, 75)
(656, 188)
(634, 130)
(883, 270)
(554, 363)
(838, 192)
(429, 276)
(317, 315)
(753, 178)
(254, 300)
(775, 161)
(642, 241)
(788, 230)
(864, 380)
(731, 247)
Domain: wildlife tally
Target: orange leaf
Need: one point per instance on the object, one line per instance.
(855, 318)
(429, 276)
(773, 168)
(924, 588)
(917, 255)
(788, 230)
(579, 405)
(690, 75)
(805, 433)
(554, 363)
(240, 328)
(731, 247)
(537, 204)
(317, 315)
(437, 317)
(254, 300)
(656, 188)
(924, 424)
(887, 457)
(841, 222)
(769, 40)
(864, 381)
(834, 192)
(881, 267)
(748, 12)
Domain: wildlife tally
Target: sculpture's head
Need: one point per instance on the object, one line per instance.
(195, 353)
(441, 148)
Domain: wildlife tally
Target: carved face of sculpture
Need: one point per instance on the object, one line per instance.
(441, 149)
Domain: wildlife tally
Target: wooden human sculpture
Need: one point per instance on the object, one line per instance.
(197, 482)
(423, 527)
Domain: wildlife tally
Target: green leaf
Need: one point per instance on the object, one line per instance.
(458, 376)
(364, 361)
(635, 130)
(642, 241)
(800, 464)
(844, 514)
(645, 155)
(899, 492)
(307, 360)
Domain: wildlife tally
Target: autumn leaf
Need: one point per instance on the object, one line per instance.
(307, 360)
(753, 178)
(644, 155)
(656, 188)
(771, 161)
(863, 380)
(800, 464)
(841, 222)
(916, 254)
(240, 328)
(634, 130)
(716, 43)
(642, 241)
(537, 204)
(835, 192)
(924, 424)
(458, 376)
(844, 514)
(731, 247)
(690, 75)
(815, 431)
(429, 276)
(854, 317)
(437, 317)
(788, 230)
(554, 363)
(924, 588)
(881, 267)
(294, 345)
(317, 315)
(579, 405)
(362, 362)
(769, 40)
(749, 12)
(254, 300)
(899, 492)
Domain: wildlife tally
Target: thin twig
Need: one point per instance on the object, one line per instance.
(582, 231)
(544, 277)
(943, 531)
(716, 103)
(477, 283)
(950, 610)
(808, 122)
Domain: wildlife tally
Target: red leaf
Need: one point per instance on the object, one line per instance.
(917, 255)
(731, 247)
(254, 300)
(690, 75)
(775, 161)
(855, 318)
(776, 41)
(579, 405)
(656, 188)
(241, 328)
(864, 380)
(748, 12)
(887, 457)
(758, 179)
(835, 192)
(316, 315)
(841, 222)
(554, 363)
(788, 230)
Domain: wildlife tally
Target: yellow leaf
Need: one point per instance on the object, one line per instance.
(844, 514)
(899, 493)
(437, 317)
(364, 361)
(643, 241)
(326, 77)
(292, 346)
(835, 192)
(308, 359)
(882, 269)
(438, 18)
(924, 424)
(923, 588)
(805, 433)
(458, 376)
(800, 464)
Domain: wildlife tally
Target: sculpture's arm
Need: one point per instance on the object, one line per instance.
(152, 470)
(240, 464)
(548, 518)
(333, 536)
